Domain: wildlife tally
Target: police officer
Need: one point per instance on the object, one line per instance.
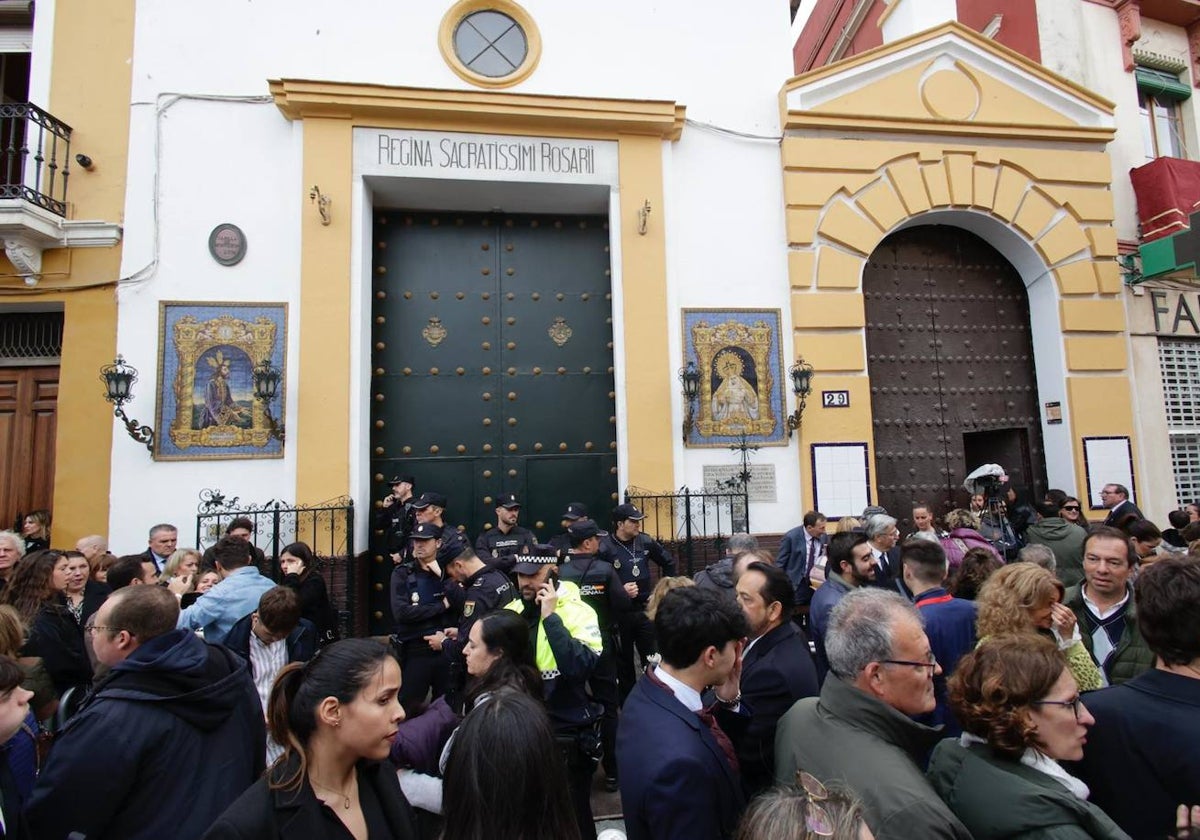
(575, 511)
(419, 609)
(603, 591)
(499, 546)
(431, 508)
(567, 644)
(474, 590)
(396, 517)
(629, 550)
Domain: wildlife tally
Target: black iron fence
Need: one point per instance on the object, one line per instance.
(36, 156)
(327, 528)
(693, 524)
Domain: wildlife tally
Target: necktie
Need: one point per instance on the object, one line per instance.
(812, 555)
(882, 561)
(722, 739)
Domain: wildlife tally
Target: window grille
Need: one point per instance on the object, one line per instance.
(31, 337)
(1179, 361)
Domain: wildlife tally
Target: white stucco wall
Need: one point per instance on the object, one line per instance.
(225, 161)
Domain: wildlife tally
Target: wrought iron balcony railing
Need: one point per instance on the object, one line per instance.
(35, 154)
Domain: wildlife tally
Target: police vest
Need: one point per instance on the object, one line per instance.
(577, 617)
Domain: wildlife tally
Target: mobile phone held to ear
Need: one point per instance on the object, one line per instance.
(552, 578)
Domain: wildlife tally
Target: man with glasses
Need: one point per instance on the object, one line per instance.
(860, 730)
(1115, 497)
(1061, 537)
(170, 704)
(1104, 606)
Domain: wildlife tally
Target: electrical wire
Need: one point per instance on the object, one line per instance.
(732, 132)
(163, 102)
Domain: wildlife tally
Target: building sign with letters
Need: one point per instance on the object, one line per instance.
(483, 157)
(1175, 313)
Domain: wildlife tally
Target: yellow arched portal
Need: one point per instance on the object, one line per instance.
(949, 124)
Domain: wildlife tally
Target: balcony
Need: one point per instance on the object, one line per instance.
(1167, 190)
(35, 167)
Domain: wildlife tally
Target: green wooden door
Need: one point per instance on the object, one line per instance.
(492, 364)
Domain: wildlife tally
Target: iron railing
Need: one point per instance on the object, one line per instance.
(693, 524)
(327, 528)
(36, 150)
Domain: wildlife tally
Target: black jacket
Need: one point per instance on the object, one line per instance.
(1142, 758)
(176, 704)
(265, 814)
(57, 638)
(629, 559)
(776, 672)
(301, 642)
(314, 604)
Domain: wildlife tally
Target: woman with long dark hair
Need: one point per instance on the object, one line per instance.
(36, 591)
(499, 658)
(300, 573)
(335, 717)
(504, 755)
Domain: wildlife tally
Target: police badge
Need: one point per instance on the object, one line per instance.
(468, 609)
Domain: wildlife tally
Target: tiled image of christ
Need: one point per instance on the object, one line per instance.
(734, 387)
(222, 395)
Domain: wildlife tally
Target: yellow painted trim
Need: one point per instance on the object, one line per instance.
(331, 111)
(649, 432)
(887, 12)
(321, 435)
(983, 44)
(804, 119)
(455, 16)
(455, 110)
(90, 83)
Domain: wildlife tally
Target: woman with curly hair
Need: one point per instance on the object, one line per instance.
(1026, 599)
(36, 590)
(978, 565)
(1021, 714)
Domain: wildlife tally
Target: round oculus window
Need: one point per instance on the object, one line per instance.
(491, 44)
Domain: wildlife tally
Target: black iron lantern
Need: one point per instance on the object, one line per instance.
(118, 379)
(690, 377)
(266, 389)
(801, 374)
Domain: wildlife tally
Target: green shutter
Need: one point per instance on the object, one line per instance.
(1160, 83)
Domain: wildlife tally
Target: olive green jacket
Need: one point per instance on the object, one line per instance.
(1132, 656)
(849, 737)
(1001, 799)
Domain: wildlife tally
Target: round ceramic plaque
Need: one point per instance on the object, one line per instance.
(227, 244)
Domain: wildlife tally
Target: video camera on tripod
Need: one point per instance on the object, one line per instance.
(991, 482)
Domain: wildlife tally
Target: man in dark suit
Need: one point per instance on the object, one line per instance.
(882, 535)
(777, 670)
(1121, 511)
(799, 551)
(678, 771)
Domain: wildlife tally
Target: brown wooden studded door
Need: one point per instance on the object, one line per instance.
(28, 423)
(492, 363)
(950, 359)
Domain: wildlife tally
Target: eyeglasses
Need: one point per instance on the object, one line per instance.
(1071, 507)
(931, 664)
(816, 818)
(1075, 703)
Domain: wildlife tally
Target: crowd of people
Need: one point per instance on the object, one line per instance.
(1037, 677)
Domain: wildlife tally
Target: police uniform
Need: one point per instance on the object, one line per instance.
(499, 548)
(575, 511)
(482, 592)
(397, 521)
(601, 590)
(418, 610)
(567, 647)
(632, 563)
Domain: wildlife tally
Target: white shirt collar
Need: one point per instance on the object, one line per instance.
(685, 694)
(1103, 614)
